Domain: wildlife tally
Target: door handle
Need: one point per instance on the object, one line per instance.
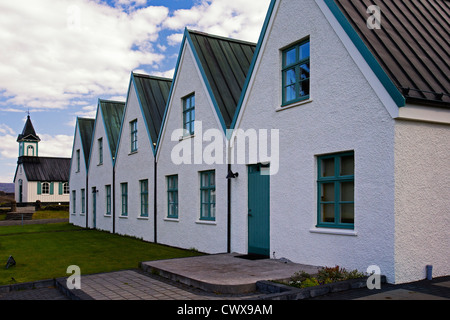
(250, 213)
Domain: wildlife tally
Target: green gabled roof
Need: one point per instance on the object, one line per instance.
(112, 113)
(86, 129)
(153, 93)
(225, 63)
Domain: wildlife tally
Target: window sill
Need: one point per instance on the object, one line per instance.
(208, 222)
(142, 218)
(100, 164)
(293, 105)
(172, 219)
(107, 215)
(123, 217)
(133, 152)
(82, 214)
(340, 232)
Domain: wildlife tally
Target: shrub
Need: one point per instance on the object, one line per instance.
(325, 275)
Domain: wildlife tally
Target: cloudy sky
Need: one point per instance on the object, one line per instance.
(58, 57)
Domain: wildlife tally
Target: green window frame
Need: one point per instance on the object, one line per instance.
(144, 197)
(134, 135)
(189, 114)
(296, 73)
(336, 188)
(83, 200)
(172, 197)
(100, 151)
(108, 199)
(124, 191)
(74, 202)
(208, 195)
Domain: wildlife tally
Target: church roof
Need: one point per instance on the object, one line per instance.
(46, 168)
(28, 132)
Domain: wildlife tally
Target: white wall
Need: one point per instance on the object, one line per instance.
(100, 175)
(77, 182)
(188, 231)
(131, 168)
(422, 199)
(343, 114)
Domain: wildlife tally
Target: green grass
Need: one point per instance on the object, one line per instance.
(45, 251)
(50, 214)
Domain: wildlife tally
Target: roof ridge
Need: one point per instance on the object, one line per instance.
(221, 37)
(143, 75)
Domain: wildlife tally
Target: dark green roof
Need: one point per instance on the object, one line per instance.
(46, 168)
(112, 112)
(226, 63)
(86, 128)
(153, 93)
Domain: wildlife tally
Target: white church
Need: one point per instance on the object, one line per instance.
(354, 168)
(44, 179)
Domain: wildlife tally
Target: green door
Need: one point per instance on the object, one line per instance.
(258, 211)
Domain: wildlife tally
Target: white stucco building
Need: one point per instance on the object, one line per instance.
(79, 201)
(101, 164)
(338, 132)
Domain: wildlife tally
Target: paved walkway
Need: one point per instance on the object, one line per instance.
(236, 273)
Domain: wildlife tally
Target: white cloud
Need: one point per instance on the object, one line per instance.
(240, 19)
(55, 146)
(55, 51)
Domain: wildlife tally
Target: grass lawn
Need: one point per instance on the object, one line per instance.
(45, 251)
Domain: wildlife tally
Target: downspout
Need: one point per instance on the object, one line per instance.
(154, 200)
(114, 200)
(86, 199)
(229, 212)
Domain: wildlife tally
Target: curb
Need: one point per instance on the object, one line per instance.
(27, 286)
(277, 291)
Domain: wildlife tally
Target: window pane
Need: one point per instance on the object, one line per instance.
(290, 93)
(327, 213)
(290, 77)
(290, 56)
(304, 71)
(205, 207)
(347, 165)
(347, 213)
(304, 88)
(347, 191)
(327, 192)
(304, 51)
(205, 180)
(328, 167)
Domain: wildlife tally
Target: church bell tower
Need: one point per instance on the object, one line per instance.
(28, 140)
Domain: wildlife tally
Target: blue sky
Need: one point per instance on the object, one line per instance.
(59, 57)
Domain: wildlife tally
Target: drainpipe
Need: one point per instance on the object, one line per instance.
(229, 212)
(86, 199)
(114, 200)
(154, 200)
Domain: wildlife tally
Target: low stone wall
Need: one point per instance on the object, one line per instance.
(278, 291)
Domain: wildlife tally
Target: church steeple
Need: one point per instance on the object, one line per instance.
(28, 140)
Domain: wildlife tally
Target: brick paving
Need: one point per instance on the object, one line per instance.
(137, 285)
